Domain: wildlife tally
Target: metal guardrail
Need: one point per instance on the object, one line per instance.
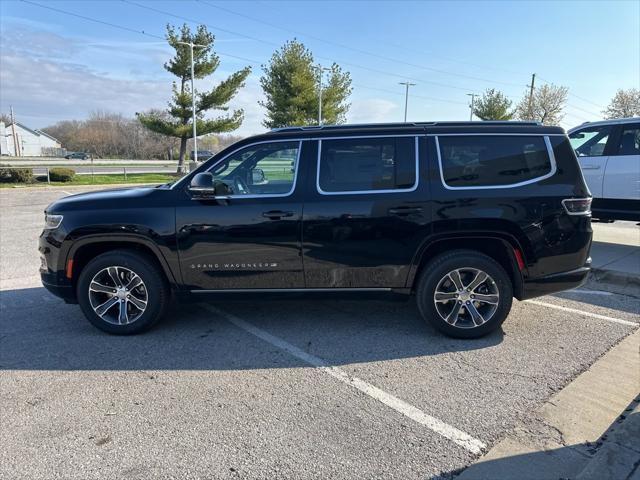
(96, 170)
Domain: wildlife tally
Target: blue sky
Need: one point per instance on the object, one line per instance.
(55, 66)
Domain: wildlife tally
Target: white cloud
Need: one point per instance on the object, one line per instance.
(373, 110)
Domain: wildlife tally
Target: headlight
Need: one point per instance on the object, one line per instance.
(51, 222)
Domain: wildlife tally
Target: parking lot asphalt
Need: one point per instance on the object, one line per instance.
(288, 389)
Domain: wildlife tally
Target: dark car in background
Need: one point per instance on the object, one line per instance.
(463, 216)
(203, 155)
(78, 156)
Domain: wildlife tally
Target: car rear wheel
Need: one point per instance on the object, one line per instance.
(464, 294)
(122, 292)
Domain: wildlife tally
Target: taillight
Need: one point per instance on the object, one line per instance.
(577, 206)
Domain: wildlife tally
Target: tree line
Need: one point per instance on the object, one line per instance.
(292, 83)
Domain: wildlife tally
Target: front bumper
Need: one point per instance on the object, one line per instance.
(65, 292)
(557, 282)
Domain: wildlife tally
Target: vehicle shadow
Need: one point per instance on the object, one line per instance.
(40, 332)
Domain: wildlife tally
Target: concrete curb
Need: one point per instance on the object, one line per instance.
(615, 282)
(566, 434)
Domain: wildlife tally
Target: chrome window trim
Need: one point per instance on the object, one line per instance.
(366, 192)
(266, 195)
(299, 140)
(547, 142)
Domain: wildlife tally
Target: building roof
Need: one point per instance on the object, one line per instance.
(34, 131)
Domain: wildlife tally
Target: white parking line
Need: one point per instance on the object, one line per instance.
(457, 436)
(586, 314)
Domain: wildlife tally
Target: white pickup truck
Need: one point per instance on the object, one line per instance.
(609, 155)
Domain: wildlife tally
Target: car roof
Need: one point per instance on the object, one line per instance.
(613, 121)
(409, 128)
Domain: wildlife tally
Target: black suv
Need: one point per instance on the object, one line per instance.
(465, 216)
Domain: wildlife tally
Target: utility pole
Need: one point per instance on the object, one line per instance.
(406, 97)
(473, 97)
(533, 81)
(320, 69)
(193, 99)
(16, 150)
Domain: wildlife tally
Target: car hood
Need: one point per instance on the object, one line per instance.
(115, 198)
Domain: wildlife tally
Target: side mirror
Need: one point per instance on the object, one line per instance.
(202, 185)
(257, 176)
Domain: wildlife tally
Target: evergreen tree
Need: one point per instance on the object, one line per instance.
(180, 113)
(291, 85)
(493, 105)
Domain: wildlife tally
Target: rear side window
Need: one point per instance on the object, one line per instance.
(492, 161)
(629, 140)
(367, 165)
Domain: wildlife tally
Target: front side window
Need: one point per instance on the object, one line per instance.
(367, 164)
(490, 161)
(262, 169)
(590, 142)
(629, 140)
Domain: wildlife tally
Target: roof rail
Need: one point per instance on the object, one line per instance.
(401, 124)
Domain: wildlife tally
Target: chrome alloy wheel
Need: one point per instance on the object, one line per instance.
(466, 297)
(118, 295)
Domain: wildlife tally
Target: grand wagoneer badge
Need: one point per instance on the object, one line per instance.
(233, 266)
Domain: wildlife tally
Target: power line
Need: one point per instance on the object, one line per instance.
(358, 50)
(142, 32)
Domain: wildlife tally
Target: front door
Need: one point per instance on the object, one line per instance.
(590, 145)
(251, 239)
(622, 177)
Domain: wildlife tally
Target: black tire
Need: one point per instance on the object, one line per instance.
(467, 261)
(155, 288)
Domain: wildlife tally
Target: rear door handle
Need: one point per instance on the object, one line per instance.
(591, 167)
(404, 211)
(277, 214)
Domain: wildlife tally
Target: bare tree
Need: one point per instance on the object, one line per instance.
(545, 106)
(6, 119)
(626, 103)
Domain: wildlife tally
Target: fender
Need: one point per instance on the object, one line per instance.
(126, 238)
(505, 238)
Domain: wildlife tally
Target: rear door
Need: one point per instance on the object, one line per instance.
(365, 212)
(622, 175)
(591, 146)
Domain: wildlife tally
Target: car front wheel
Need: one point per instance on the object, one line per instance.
(122, 292)
(464, 294)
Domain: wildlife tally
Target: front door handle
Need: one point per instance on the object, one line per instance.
(591, 167)
(277, 214)
(404, 211)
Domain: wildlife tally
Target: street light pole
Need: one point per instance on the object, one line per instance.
(406, 97)
(320, 70)
(473, 97)
(193, 98)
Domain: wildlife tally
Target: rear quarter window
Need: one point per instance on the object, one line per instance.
(469, 161)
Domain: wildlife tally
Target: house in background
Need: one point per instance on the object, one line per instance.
(30, 143)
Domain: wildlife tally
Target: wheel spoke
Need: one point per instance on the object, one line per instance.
(123, 318)
(139, 304)
(443, 297)
(455, 278)
(452, 318)
(477, 280)
(101, 288)
(134, 282)
(477, 318)
(492, 299)
(113, 273)
(104, 307)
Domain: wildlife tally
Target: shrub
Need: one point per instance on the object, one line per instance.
(60, 174)
(15, 175)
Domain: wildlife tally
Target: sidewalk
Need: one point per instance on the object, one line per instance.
(615, 254)
(587, 431)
